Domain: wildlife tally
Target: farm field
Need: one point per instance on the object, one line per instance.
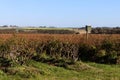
(37, 30)
(59, 57)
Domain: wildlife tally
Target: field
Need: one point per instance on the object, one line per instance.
(59, 57)
(37, 30)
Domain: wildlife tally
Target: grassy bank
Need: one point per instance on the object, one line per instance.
(40, 71)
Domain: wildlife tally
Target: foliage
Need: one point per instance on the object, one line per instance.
(19, 50)
(21, 56)
(106, 30)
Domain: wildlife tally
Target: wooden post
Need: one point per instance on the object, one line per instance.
(88, 30)
(86, 35)
(17, 30)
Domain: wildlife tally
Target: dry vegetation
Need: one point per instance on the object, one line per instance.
(98, 47)
(72, 38)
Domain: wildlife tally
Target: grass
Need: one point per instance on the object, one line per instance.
(79, 71)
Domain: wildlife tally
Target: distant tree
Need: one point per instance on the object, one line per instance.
(106, 30)
(51, 26)
(5, 26)
(42, 26)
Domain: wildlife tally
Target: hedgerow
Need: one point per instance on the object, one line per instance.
(19, 50)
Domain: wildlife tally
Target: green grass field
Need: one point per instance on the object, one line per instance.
(29, 28)
(79, 71)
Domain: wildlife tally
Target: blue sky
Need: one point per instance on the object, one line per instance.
(60, 13)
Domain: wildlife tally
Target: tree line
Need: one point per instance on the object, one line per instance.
(106, 30)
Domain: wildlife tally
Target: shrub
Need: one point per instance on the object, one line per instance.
(58, 50)
(87, 52)
(4, 62)
(20, 50)
(4, 50)
(118, 60)
(101, 53)
(108, 45)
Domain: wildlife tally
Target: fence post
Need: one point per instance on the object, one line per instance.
(88, 30)
(17, 30)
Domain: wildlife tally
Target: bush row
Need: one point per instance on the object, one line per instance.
(19, 51)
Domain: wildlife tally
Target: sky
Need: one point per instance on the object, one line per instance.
(60, 13)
